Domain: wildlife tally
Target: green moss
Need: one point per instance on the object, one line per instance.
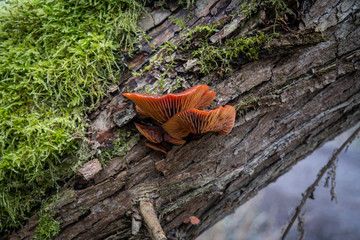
(56, 60)
(188, 3)
(248, 8)
(220, 57)
(249, 46)
(278, 9)
(279, 6)
(200, 32)
(246, 103)
(122, 143)
(47, 228)
(164, 56)
(180, 22)
(210, 57)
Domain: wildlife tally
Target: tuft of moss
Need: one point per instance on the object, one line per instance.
(121, 145)
(279, 8)
(56, 60)
(220, 57)
(188, 3)
(47, 228)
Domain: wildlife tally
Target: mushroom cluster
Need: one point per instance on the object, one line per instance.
(177, 115)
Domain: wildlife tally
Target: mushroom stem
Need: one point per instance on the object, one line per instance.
(152, 222)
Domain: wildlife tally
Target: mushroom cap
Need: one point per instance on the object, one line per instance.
(196, 121)
(156, 147)
(153, 134)
(141, 113)
(162, 108)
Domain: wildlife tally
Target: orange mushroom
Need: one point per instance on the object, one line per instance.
(156, 147)
(157, 134)
(170, 139)
(179, 115)
(195, 121)
(153, 134)
(162, 108)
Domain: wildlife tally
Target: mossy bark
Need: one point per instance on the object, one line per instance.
(302, 91)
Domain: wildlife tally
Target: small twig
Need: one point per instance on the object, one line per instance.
(301, 228)
(152, 222)
(311, 188)
(332, 179)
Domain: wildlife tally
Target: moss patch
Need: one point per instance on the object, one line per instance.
(47, 228)
(195, 46)
(56, 60)
(219, 58)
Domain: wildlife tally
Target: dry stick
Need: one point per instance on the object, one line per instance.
(152, 222)
(311, 188)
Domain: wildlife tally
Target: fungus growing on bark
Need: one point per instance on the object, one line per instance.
(179, 115)
(153, 134)
(157, 135)
(162, 108)
(195, 121)
(156, 147)
(170, 139)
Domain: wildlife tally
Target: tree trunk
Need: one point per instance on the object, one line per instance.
(302, 91)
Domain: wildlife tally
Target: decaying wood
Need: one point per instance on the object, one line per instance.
(301, 93)
(90, 169)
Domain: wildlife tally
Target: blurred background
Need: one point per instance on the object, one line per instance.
(265, 216)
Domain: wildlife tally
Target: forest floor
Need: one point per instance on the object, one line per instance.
(264, 216)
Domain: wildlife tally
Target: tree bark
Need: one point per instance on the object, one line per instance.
(301, 92)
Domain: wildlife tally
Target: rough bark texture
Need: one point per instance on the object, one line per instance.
(301, 93)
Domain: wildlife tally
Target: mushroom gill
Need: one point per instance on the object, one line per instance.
(195, 121)
(156, 147)
(157, 135)
(153, 134)
(170, 139)
(162, 108)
